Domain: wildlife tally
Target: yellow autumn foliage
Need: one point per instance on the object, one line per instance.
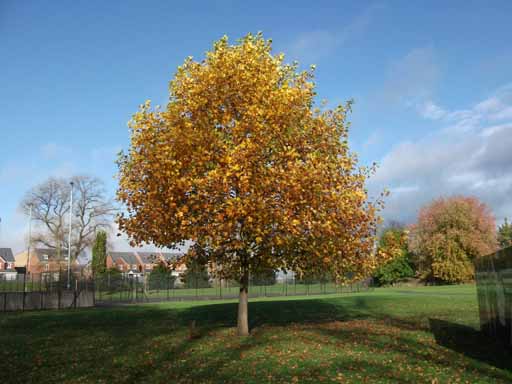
(241, 162)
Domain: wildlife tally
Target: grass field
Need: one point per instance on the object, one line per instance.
(400, 335)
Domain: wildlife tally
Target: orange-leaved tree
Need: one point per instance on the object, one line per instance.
(243, 164)
(449, 235)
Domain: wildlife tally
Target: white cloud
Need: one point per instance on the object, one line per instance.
(13, 231)
(51, 151)
(404, 189)
(122, 243)
(469, 155)
(504, 114)
(411, 82)
(372, 139)
(498, 107)
(432, 111)
(105, 154)
(316, 44)
(490, 105)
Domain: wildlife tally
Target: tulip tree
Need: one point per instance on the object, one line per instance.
(241, 162)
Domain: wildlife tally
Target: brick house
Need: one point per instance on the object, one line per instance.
(43, 260)
(7, 264)
(126, 262)
(136, 263)
(150, 259)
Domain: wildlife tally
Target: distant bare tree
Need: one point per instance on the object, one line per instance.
(92, 210)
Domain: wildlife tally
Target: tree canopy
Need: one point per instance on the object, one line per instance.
(50, 202)
(505, 234)
(99, 253)
(241, 162)
(394, 242)
(450, 233)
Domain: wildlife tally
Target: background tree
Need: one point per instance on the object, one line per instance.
(393, 241)
(49, 202)
(449, 235)
(99, 253)
(505, 234)
(196, 275)
(50, 211)
(161, 277)
(263, 276)
(240, 161)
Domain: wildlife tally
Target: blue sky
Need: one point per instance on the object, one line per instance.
(432, 86)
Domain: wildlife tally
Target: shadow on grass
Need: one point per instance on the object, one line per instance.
(471, 343)
(151, 344)
(295, 312)
(271, 313)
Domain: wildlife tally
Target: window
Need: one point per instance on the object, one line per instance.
(45, 257)
(134, 266)
(47, 267)
(120, 267)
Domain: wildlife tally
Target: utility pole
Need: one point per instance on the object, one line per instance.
(27, 264)
(69, 234)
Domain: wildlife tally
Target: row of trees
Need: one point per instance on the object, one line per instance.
(441, 246)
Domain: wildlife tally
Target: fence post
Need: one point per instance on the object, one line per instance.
(97, 286)
(41, 291)
(168, 285)
(58, 294)
(92, 282)
(24, 290)
(76, 290)
(196, 287)
(134, 289)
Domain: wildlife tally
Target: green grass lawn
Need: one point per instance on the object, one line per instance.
(399, 335)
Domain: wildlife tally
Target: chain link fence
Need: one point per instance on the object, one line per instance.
(118, 288)
(49, 290)
(52, 290)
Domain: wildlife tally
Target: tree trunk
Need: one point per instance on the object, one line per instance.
(243, 314)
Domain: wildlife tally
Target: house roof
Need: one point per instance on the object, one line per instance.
(127, 257)
(6, 255)
(148, 257)
(136, 257)
(154, 257)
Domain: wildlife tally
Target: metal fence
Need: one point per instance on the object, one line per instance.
(112, 289)
(494, 287)
(50, 290)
